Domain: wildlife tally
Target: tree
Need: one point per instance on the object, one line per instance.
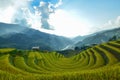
(113, 38)
(76, 48)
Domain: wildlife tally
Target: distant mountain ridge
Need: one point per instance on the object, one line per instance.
(95, 38)
(10, 28)
(13, 35)
(99, 37)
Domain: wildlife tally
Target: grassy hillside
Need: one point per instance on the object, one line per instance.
(101, 62)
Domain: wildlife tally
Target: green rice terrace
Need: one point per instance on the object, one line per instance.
(101, 62)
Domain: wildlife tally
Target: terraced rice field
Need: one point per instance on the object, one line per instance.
(101, 62)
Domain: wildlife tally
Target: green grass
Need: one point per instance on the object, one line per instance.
(101, 62)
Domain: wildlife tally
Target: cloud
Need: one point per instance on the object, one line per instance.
(117, 22)
(30, 19)
(8, 9)
(5, 3)
(110, 24)
(7, 14)
(21, 12)
(58, 4)
(45, 9)
(13, 3)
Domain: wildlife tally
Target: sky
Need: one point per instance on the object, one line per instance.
(67, 18)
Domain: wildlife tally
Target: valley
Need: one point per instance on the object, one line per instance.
(59, 39)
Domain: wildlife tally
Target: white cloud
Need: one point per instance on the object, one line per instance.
(42, 3)
(112, 24)
(5, 3)
(33, 19)
(45, 9)
(118, 21)
(9, 7)
(7, 14)
(58, 4)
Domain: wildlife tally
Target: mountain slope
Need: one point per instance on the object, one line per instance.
(13, 35)
(10, 28)
(98, 37)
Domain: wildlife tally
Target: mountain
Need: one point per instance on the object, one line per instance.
(79, 38)
(10, 28)
(97, 38)
(13, 35)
